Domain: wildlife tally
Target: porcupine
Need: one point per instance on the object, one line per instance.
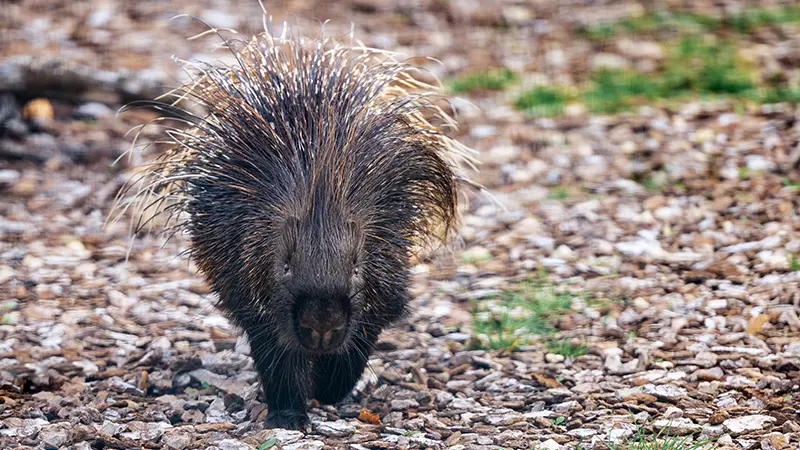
(307, 184)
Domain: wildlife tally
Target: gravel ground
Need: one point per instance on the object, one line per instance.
(684, 288)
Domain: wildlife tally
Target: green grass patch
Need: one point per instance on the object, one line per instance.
(613, 91)
(489, 80)
(658, 181)
(749, 19)
(702, 61)
(652, 22)
(794, 263)
(542, 101)
(744, 173)
(780, 94)
(519, 315)
(790, 185)
(652, 184)
(661, 441)
(558, 193)
(566, 348)
(744, 22)
(704, 66)
(696, 67)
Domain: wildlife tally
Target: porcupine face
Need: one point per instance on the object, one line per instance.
(319, 282)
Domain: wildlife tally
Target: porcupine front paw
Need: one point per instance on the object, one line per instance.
(285, 378)
(336, 375)
(289, 420)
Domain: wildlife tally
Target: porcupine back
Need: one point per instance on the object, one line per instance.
(303, 126)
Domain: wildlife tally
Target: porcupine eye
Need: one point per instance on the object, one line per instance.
(354, 232)
(289, 233)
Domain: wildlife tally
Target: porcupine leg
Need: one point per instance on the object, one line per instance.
(285, 378)
(336, 375)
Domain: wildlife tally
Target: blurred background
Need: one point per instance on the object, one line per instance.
(639, 286)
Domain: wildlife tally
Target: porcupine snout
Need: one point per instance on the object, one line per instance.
(321, 322)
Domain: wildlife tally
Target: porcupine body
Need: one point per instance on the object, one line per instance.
(306, 185)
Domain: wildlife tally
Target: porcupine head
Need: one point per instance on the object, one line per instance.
(307, 184)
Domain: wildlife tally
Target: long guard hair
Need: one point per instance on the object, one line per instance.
(262, 128)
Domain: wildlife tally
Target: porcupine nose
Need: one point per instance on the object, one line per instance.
(321, 330)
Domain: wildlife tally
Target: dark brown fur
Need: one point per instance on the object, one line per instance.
(305, 188)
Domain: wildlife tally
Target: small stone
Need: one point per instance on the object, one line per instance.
(677, 427)
(673, 413)
(638, 49)
(586, 388)
(718, 417)
(458, 337)
(167, 399)
(608, 61)
(45, 396)
(565, 407)
(458, 385)
(38, 110)
(484, 382)
(100, 17)
(230, 385)
(746, 424)
(712, 374)
(505, 418)
(619, 432)
(436, 329)
(8, 177)
(339, 428)
(283, 437)
(54, 436)
(27, 427)
(110, 428)
(758, 163)
(404, 404)
(120, 300)
(582, 433)
(664, 391)
(790, 427)
(307, 445)
(154, 430)
(94, 110)
(161, 343)
(554, 358)
(613, 362)
(738, 381)
(176, 440)
(193, 416)
(502, 155)
(563, 252)
(233, 444)
(119, 385)
(778, 441)
(443, 398)
(549, 444)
